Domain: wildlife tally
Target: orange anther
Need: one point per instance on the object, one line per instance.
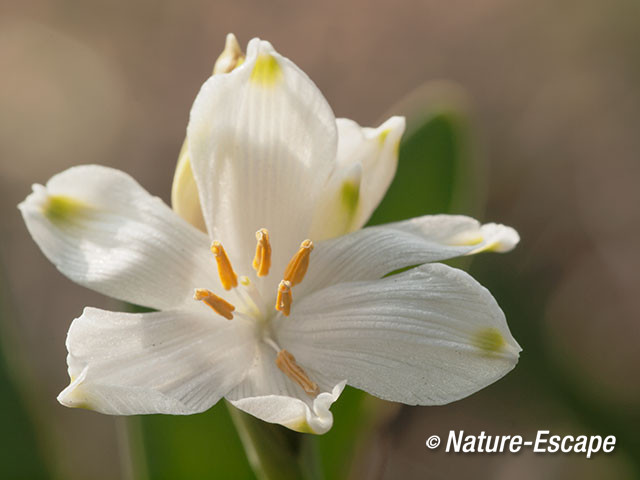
(262, 259)
(287, 363)
(228, 277)
(299, 263)
(284, 298)
(217, 304)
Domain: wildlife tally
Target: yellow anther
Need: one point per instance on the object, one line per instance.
(284, 299)
(262, 260)
(228, 277)
(287, 363)
(299, 263)
(217, 304)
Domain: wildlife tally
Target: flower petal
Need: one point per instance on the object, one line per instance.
(184, 191)
(373, 252)
(268, 394)
(174, 362)
(104, 231)
(428, 336)
(366, 164)
(262, 141)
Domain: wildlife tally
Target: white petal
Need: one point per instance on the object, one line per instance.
(163, 362)
(184, 192)
(104, 231)
(428, 336)
(337, 210)
(262, 141)
(496, 238)
(268, 394)
(373, 252)
(348, 202)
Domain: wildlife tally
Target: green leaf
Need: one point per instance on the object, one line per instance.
(19, 450)
(200, 446)
(22, 439)
(351, 421)
(275, 452)
(438, 170)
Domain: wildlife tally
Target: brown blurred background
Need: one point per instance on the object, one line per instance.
(555, 94)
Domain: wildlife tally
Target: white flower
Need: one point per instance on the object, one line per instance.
(278, 325)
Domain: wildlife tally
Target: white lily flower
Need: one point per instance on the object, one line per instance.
(277, 326)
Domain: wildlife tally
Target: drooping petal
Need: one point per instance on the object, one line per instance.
(428, 336)
(262, 141)
(101, 229)
(373, 252)
(268, 394)
(174, 362)
(366, 164)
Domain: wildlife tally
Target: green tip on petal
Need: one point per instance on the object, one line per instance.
(81, 404)
(350, 196)
(74, 397)
(302, 427)
(267, 71)
(489, 340)
(382, 137)
(60, 208)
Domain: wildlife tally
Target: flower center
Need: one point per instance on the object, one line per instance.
(252, 299)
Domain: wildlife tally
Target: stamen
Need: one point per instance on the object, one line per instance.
(262, 260)
(217, 304)
(228, 277)
(287, 363)
(284, 298)
(299, 263)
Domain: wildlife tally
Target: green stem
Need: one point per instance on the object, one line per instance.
(133, 456)
(275, 452)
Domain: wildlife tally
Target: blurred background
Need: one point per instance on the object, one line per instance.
(523, 113)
